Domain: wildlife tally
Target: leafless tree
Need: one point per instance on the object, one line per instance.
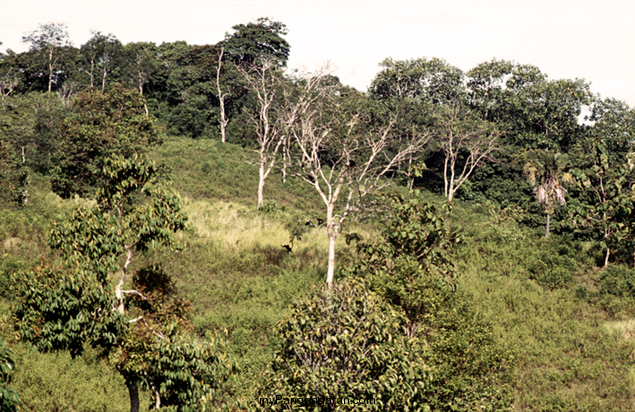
(344, 156)
(466, 144)
(264, 81)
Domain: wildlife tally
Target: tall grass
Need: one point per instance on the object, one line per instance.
(530, 289)
(570, 325)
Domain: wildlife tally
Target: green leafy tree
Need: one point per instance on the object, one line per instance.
(47, 41)
(258, 42)
(343, 343)
(14, 177)
(614, 122)
(432, 81)
(140, 65)
(544, 173)
(143, 331)
(186, 88)
(411, 269)
(30, 124)
(9, 398)
(11, 77)
(608, 212)
(101, 125)
(537, 112)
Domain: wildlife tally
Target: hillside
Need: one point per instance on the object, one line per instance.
(567, 324)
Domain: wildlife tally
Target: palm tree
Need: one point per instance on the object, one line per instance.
(544, 174)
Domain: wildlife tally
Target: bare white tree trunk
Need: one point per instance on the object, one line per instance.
(261, 185)
(264, 81)
(330, 273)
(221, 97)
(92, 72)
(360, 163)
(118, 289)
(103, 80)
(50, 67)
(465, 139)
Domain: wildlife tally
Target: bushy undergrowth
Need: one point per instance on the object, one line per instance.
(568, 324)
(530, 289)
(55, 382)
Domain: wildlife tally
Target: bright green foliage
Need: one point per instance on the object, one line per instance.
(411, 269)
(101, 125)
(63, 309)
(9, 399)
(345, 343)
(57, 382)
(97, 237)
(182, 370)
(179, 368)
(609, 213)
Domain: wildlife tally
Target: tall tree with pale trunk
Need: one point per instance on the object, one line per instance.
(49, 39)
(264, 81)
(466, 144)
(343, 145)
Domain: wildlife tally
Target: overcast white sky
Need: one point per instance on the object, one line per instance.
(594, 40)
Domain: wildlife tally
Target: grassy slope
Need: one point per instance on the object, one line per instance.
(568, 357)
(571, 354)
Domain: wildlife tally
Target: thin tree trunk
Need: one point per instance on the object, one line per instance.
(261, 185)
(118, 292)
(330, 273)
(133, 391)
(547, 226)
(50, 69)
(284, 161)
(606, 258)
(92, 71)
(221, 97)
(331, 231)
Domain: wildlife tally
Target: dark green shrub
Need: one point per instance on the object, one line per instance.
(9, 398)
(411, 269)
(618, 280)
(556, 263)
(345, 343)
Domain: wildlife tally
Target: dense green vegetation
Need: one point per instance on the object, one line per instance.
(476, 236)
